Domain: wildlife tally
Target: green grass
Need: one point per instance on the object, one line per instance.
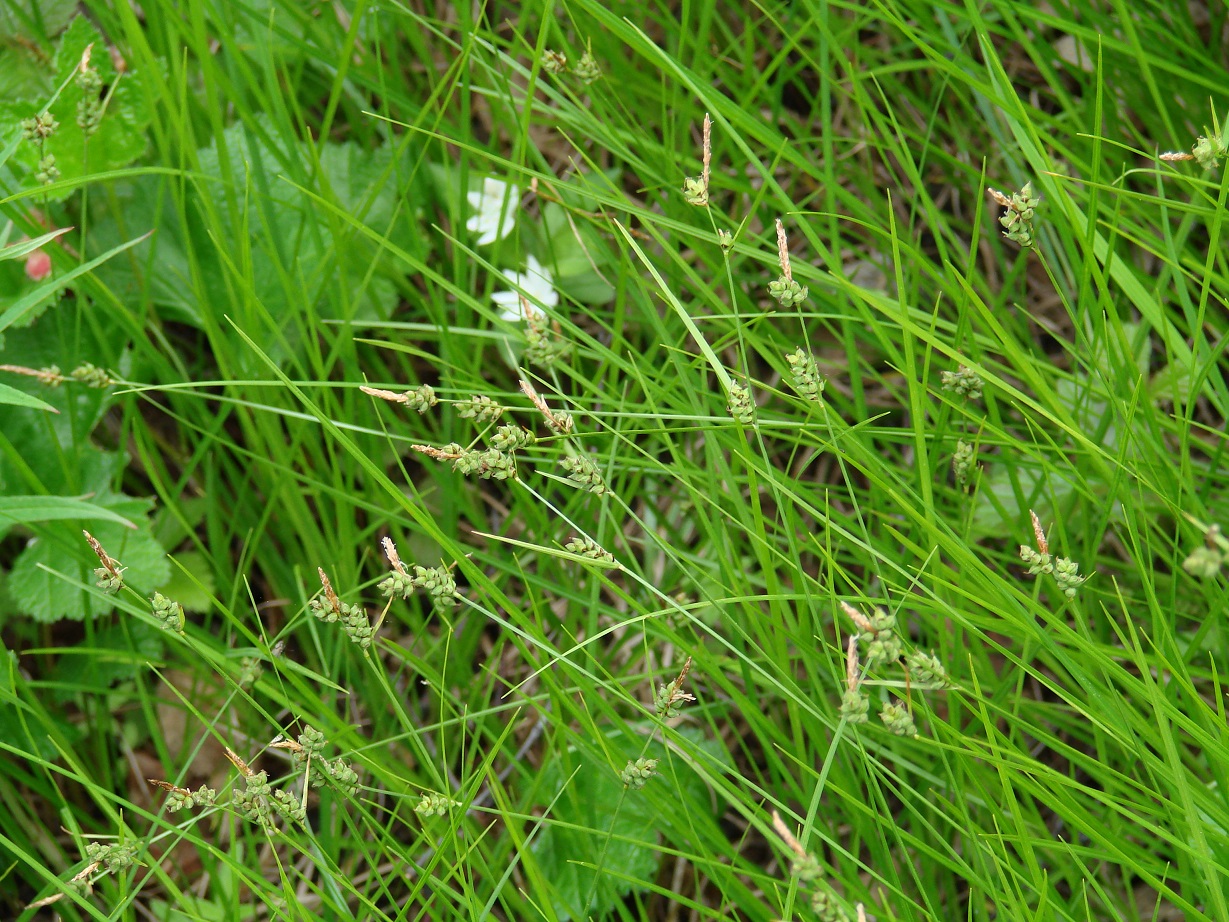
(304, 170)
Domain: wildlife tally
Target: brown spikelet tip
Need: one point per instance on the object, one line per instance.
(999, 197)
(334, 602)
(708, 151)
(851, 664)
(786, 836)
(859, 619)
(238, 762)
(390, 551)
(783, 252)
(382, 394)
(109, 563)
(1039, 532)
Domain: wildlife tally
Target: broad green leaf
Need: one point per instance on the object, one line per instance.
(15, 510)
(190, 589)
(121, 136)
(38, 590)
(35, 19)
(594, 816)
(15, 398)
(116, 653)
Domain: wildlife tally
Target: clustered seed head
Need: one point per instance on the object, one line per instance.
(964, 381)
(963, 460)
(439, 583)
(184, 799)
(344, 777)
(670, 696)
(725, 240)
(926, 671)
(637, 774)
(108, 581)
(421, 398)
(741, 405)
(806, 868)
(250, 668)
(855, 706)
(289, 807)
(491, 464)
(695, 192)
(169, 614)
(1208, 151)
(512, 438)
(47, 172)
(398, 582)
(587, 70)
(787, 292)
(827, 908)
(252, 800)
(39, 128)
(111, 573)
(583, 471)
(91, 376)
(312, 743)
(882, 643)
(353, 618)
(587, 547)
(1066, 574)
(544, 344)
(807, 380)
(1204, 562)
(808, 871)
(480, 408)
(307, 756)
(898, 720)
(559, 422)
(113, 856)
(432, 804)
(1021, 208)
(554, 62)
(1064, 570)
(89, 107)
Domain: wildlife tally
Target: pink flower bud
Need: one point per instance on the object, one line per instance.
(38, 266)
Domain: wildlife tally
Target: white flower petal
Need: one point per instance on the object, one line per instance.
(494, 208)
(538, 284)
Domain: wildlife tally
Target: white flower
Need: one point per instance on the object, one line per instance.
(538, 284)
(494, 208)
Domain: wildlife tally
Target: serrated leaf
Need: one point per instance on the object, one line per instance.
(37, 590)
(592, 816)
(121, 136)
(191, 589)
(30, 18)
(115, 653)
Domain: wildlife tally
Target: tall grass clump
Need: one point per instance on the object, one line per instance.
(607, 461)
